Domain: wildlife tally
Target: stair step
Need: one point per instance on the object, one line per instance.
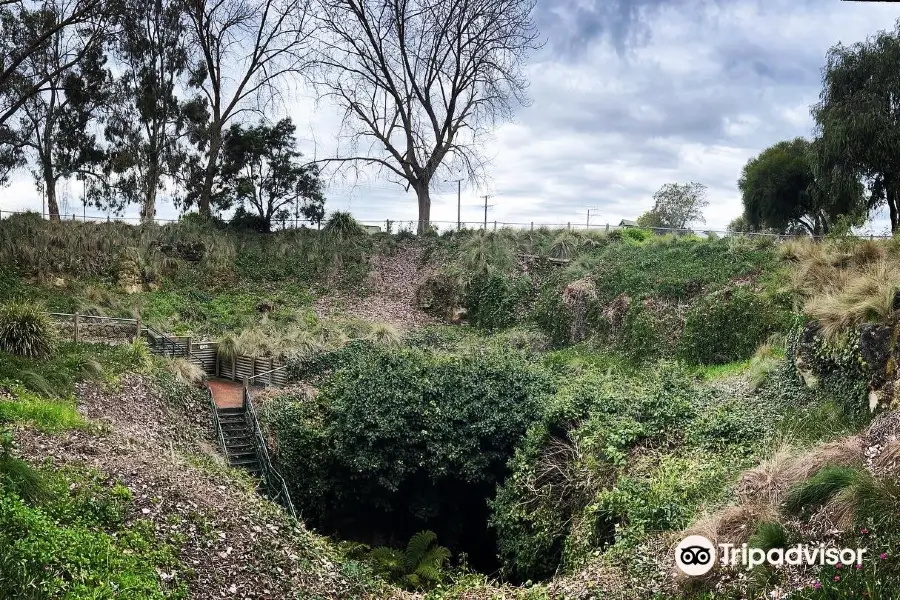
(242, 459)
(238, 448)
(242, 454)
(244, 463)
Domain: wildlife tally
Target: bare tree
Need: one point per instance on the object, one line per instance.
(422, 81)
(246, 48)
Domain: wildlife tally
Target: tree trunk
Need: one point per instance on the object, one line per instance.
(215, 144)
(148, 211)
(424, 198)
(50, 187)
(892, 208)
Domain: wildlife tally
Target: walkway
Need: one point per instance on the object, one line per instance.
(226, 394)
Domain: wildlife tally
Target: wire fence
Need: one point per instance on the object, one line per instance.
(411, 226)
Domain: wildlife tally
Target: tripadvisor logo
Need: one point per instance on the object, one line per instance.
(696, 555)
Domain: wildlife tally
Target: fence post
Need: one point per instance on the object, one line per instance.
(190, 350)
(271, 366)
(137, 323)
(532, 226)
(75, 334)
(495, 225)
(244, 395)
(569, 226)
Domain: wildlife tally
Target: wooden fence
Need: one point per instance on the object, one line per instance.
(92, 328)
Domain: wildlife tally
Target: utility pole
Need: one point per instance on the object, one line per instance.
(458, 202)
(486, 196)
(596, 212)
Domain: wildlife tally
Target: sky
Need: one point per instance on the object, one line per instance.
(625, 96)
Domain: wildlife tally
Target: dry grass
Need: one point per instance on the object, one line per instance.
(760, 491)
(865, 296)
(888, 461)
(733, 524)
(186, 371)
(769, 482)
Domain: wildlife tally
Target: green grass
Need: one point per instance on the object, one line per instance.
(43, 414)
(714, 372)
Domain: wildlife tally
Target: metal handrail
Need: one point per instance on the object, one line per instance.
(216, 424)
(269, 372)
(272, 476)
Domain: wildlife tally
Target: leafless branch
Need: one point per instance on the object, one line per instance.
(426, 79)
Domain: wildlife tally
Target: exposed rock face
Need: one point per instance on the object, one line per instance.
(874, 359)
(875, 347)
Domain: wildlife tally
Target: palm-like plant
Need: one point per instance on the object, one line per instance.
(486, 253)
(420, 566)
(26, 330)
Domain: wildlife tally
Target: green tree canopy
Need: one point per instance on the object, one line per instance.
(858, 117)
(262, 174)
(676, 206)
(780, 191)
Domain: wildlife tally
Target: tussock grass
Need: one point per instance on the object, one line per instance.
(26, 330)
(769, 535)
(820, 488)
(866, 296)
(385, 334)
(27, 482)
(186, 371)
(764, 362)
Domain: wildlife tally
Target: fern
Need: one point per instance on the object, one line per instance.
(421, 566)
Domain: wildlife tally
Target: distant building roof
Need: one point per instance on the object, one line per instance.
(627, 223)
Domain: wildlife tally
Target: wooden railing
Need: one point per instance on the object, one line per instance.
(275, 483)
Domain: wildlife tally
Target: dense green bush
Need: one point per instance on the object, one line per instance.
(584, 438)
(26, 330)
(729, 325)
(496, 301)
(406, 439)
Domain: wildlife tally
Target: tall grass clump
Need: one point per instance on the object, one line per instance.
(820, 488)
(867, 296)
(341, 228)
(26, 330)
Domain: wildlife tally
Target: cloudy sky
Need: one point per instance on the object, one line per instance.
(626, 96)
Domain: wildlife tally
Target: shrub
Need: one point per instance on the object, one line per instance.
(585, 436)
(400, 437)
(496, 301)
(729, 325)
(26, 330)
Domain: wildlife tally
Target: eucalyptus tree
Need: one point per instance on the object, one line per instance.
(858, 117)
(69, 30)
(422, 82)
(145, 129)
(27, 28)
(54, 126)
(263, 172)
(246, 49)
